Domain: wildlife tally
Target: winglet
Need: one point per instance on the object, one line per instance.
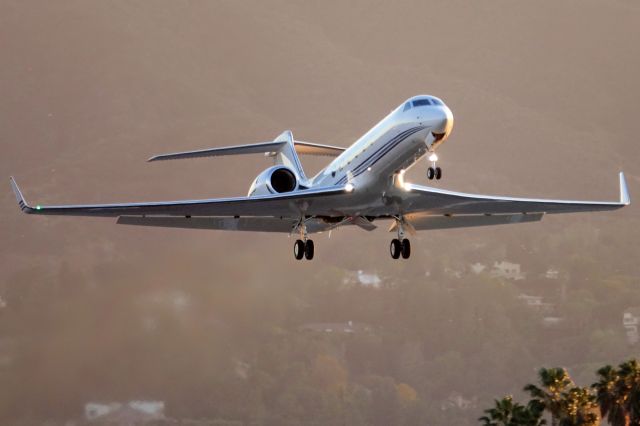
(624, 191)
(19, 197)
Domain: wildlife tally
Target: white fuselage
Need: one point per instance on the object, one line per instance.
(416, 127)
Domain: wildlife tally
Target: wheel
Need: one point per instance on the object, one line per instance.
(308, 250)
(438, 173)
(298, 249)
(395, 248)
(431, 173)
(406, 248)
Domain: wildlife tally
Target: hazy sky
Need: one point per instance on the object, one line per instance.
(544, 94)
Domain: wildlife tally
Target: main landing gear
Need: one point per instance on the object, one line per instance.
(400, 246)
(434, 172)
(303, 246)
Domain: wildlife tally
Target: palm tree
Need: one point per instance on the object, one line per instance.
(579, 408)
(555, 383)
(609, 396)
(508, 413)
(629, 387)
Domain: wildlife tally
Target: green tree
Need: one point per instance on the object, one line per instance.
(509, 413)
(555, 383)
(579, 408)
(609, 396)
(629, 384)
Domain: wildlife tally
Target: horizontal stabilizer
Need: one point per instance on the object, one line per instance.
(306, 148)
(256, 148)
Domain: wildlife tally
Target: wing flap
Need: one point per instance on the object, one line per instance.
(251, 224)
(256, 224)
(424, 222)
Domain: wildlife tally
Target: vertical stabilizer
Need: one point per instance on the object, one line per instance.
(287, 155)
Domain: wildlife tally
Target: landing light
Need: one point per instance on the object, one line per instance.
(401, 183)
(433, 157)
(348, 187)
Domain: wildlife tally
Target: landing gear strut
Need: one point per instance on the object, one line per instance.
(434, 172)
(303, 247)
(400, 246)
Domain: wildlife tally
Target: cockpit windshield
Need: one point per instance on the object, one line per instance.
(426, 102)
(422, 102)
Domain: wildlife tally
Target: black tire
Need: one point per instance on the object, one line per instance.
(298, 249)
(395, 248)
(438, 173)
(309, 250)
(406, 248)
(431, 173)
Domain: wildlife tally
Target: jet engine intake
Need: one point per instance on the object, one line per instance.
(274, 180)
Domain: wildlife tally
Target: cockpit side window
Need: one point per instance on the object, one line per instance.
(437, 102)
(407, 107)
(421, 102)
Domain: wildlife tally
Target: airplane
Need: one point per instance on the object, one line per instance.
(362, 185)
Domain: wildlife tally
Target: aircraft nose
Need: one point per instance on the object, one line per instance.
(444, 121)
(448, 119)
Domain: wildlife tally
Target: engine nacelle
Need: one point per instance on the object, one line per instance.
(274, 180)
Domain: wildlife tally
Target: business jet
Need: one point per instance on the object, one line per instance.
(364, 184)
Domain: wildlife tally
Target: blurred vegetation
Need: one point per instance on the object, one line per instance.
(427, 347)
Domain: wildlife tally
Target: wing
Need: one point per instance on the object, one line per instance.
(308, 202)
(433, 201)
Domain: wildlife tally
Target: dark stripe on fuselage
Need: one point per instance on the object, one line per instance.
(381, 152)
(387, 146)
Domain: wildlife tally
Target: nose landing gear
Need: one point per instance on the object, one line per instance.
(434, 172)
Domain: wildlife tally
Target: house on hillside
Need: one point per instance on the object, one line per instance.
(507, 270)
(365, 279)
(130, 413)
(477, 268)
(336, 327)
(456, 400)
(536, 302)
(631, 322)
(552, 274)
